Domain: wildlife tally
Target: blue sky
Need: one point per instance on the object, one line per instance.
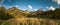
(31, 5)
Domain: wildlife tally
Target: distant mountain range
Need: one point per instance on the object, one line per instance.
(14, 12)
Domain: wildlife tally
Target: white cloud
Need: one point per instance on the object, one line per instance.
(24, 9)
(17, 6)
(50, 8)
(29, 6)
(36, 9)
(0, 5)
(2, 1)
(58, 1)
(47, 7)
(11, 6)
(44, 10)
(14, 6)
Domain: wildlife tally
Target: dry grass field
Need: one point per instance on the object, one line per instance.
(30, 21)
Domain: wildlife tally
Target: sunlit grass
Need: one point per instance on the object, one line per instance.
(30, 21)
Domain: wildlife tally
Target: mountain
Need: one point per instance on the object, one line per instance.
(15, 12)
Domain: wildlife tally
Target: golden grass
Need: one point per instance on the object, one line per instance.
(32, 21)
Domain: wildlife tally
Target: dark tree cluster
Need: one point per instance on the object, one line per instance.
(48, 14)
